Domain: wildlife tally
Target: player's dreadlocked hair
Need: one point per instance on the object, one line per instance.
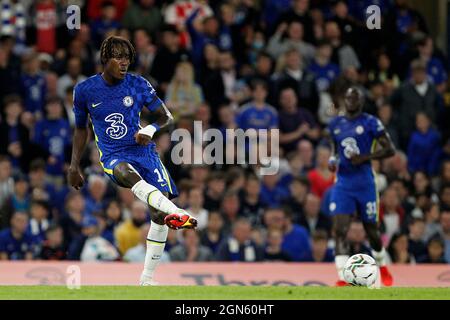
(118, 43)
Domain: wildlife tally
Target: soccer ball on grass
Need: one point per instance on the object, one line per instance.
(361, 270)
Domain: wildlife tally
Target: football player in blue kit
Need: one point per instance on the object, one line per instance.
(113, 100)
(357, 138)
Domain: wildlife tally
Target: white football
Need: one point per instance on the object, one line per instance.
(361, 270)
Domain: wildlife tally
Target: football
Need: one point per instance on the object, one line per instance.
(361, 270)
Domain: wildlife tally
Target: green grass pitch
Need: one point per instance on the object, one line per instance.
(219, 293)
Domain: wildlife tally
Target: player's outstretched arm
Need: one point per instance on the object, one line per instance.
(164, 118)
(332, 162)
(387, 150)
(74, 176)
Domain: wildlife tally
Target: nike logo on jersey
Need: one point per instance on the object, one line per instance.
(95, 104)
(163, 185)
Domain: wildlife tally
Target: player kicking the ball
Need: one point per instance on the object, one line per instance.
(114, 100)
(355, 135)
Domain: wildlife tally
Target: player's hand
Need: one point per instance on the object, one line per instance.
(75, 178)
(332, 164)
(142, 139)
(358, 159)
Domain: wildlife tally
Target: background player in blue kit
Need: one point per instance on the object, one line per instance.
(358, 138)
(114, 100)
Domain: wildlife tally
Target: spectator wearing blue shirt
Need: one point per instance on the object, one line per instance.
(320, 252)
(33, 86)
(202, 32)
(39, 221)
(324, 70)
(15, 135)
(53, 134)
(272, 193)
(239, 246)
(257, 114)
(424, 149)
(435, 68)
(295, 237)
(105, 24)
(95, 201)
(42, 189)
(15, 243)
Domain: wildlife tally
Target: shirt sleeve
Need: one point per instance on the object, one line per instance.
(79, 108)
(376, 127)
(151, 100)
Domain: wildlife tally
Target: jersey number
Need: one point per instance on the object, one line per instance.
(371, 208)
(117, 129)
(160, 179)
(350, 147)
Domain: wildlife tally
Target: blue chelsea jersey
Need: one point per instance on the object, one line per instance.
(114, 111)
(355, 136)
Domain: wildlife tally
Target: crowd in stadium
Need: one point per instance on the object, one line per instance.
(281, 64)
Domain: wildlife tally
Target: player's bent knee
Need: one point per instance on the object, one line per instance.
(125, 174)
(158, 217)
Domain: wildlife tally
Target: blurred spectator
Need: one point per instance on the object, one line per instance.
(385, 114)
(73, 216)
(168, 55)
(53, 134)
(319, 248)
(239, 246)
(142, 14)
(343, 54)
(299, 11)
(272, 193)
(39, 221)
(137, 253)
(312, 219)
(52, 247)
(6, 179)
(435, 251)
(230, 209)
(145, 52)
(71, 77)
(295, 241)
(15, 243)
(183, 95)
(305, 150)
(190, 250)
(294, 75)
(435, 67)
(384, 72)
(398, 249)
(95, 200)
(105, 23)
(196, 209)
(295, 122)
(278, 44)
(18, 200)
(323, 69)
(128, 233)
(412, 97)
(424, 148)
(215, 188)
(95, 247)
(431, 219)
(273, 250)
(113, 219)
(15, 135)
(214, 233)
(444, 196)
(356, 237)
(252, 206)
(320, 177)
(298, 190)
(33, 86)
(391, 213)
(416, 246)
